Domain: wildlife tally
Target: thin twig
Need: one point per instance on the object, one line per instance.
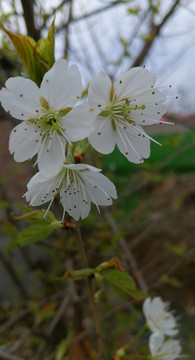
(6, 356)
(154, 31)
(91, 295)
(15, 319)
(52, 325)
(11, 271)
(128, 253)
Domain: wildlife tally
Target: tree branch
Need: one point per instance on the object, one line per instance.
(129, 255)
(154, 31)
(6, 356)
(28, 10)
(14, 276)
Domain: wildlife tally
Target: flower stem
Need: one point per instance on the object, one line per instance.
(91, 295)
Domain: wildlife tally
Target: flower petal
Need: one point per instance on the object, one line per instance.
(89, 186)
(155, 342)
(61, 86)
(23, 141)
(41, 189)
(134, 81)
(74, 201)
(79, 123)
(52, 155)
(133, 143)
(21, 98)
(100, 188)
(103, 137)
(170, 350)
(146, 307)
(99, 91)
(154, 107)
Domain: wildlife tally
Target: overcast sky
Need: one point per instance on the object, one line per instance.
(172, 55)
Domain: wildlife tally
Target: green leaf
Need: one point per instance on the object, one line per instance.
(37, 232)
(124, 282)
(25, 46)
(36, 57)
(133, 11)
(171, 281)
(178, 250)
(44, 49)
(63, 347)
(36, 216)
(83, 273)
(78, 274)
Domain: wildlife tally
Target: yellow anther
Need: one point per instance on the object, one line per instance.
(91, 109)
(44, 102)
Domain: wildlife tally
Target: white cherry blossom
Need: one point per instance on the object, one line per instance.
(121, 111)
(164, 350)
(49, 118)
(158, 318)
(78, 185)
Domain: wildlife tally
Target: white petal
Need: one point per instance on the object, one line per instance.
(75, 202)
(150, 96)
(61, 86)
(134, 145)
(170, 349)
(79, 123)
(103, 137)
(40, 189)
(23, 141)
(50, 162)
(157, 306)
(133, 81)
(100, 188)
(146, 306)
(154, 107)
(148, 116)
(77, 195)
(155, 342)
(99, 91)
(21, 98)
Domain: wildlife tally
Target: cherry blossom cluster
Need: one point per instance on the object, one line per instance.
(53, 119)
(163, 325)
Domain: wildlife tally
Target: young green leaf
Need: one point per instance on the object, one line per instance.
(36, 57)
(44, 49)
(36, 232)
(124, 282)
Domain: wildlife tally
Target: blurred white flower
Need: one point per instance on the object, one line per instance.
(163, 350)
(78, 185)
(49, 119)
(121, 109)
(158, 318)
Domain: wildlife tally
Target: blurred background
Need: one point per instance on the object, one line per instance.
(150, 227)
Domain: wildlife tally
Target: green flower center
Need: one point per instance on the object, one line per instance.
(119, 110)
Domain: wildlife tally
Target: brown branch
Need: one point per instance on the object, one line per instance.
(52, 326)
(28, 10)
(154, 31)
(14, 319)
(11, 271)
(6, 356)
(97, 11)
(67, 30)
(128, 253)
